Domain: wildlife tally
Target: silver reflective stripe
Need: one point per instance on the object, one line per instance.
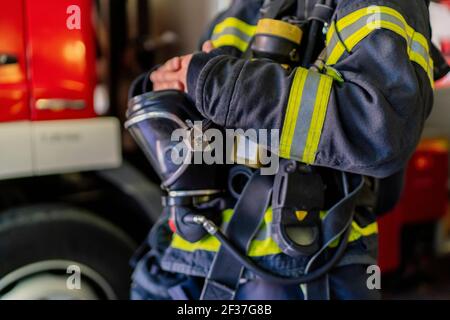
(263, 233)
(305, 114)
(231, 31)
(348, 31)
(354, 27)
(419, 49)
(334, 41)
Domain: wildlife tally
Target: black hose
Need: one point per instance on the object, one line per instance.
(312, 36)
(315, 27)
(270, 277)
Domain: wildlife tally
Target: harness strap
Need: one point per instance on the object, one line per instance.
(336, 223)
(225, 272)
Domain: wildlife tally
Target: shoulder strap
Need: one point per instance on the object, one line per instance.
(225, 272)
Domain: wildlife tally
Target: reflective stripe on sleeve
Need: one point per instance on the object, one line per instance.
(305, 115)
(347, 32)
(233, 32)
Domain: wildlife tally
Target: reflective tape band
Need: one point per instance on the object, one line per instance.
(236, 23)
(263, 244)
(318, 119)
(258, 248)
(335, 47)
(290, 120)
(305, 115)
(230, 41)
(233, 32)
(358, 232)
(347, 32)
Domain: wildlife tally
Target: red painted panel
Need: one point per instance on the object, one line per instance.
(13, 77)
(62, 60)
(424, 199)
(389, 227)
(425, 195)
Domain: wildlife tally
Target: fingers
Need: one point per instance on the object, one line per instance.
(172, 85)
(164, 76)
(208, 46)
(173, 64)
(172, 75)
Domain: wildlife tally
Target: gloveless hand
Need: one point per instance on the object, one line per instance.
(173, 74)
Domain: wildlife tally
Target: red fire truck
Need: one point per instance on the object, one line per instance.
(66, 196)
(69, 202)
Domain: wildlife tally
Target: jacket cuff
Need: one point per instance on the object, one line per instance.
(197, 64)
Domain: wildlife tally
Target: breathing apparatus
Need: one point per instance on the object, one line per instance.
(153, 117)
(194, 193)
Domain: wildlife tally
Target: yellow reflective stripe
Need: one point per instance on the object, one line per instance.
(336, 49)
(366, 231)
(331, 33)
(336, 54)
(371, 11)
(293, 108)
(232, 22)
(420, 60)
(358, 232)
(233, 32)
(431, 72)
(318, 119)
(230, 40)
(208, 243)
(305, 115)
(264, 247)
(422, 40)
(260, 248)
(227, 215)
(257, 248)
(356, 38)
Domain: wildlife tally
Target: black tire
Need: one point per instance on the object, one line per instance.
(56, 232)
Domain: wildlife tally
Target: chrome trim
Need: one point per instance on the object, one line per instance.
(137, 101)
(193, 193)
(154, 115)
(177, 174)
(151, 95)
(60, 104)
(47, 266)
(143, 115)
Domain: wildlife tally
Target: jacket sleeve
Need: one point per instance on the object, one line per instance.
(369, 123)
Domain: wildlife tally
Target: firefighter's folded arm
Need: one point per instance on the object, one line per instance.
(369, 123)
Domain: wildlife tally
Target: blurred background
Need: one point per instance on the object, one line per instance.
(76, 191)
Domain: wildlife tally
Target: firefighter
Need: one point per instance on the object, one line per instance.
(359, 109)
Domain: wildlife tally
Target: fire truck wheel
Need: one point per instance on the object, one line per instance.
(61, 252)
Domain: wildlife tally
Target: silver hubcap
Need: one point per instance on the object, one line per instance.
(50, 280)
